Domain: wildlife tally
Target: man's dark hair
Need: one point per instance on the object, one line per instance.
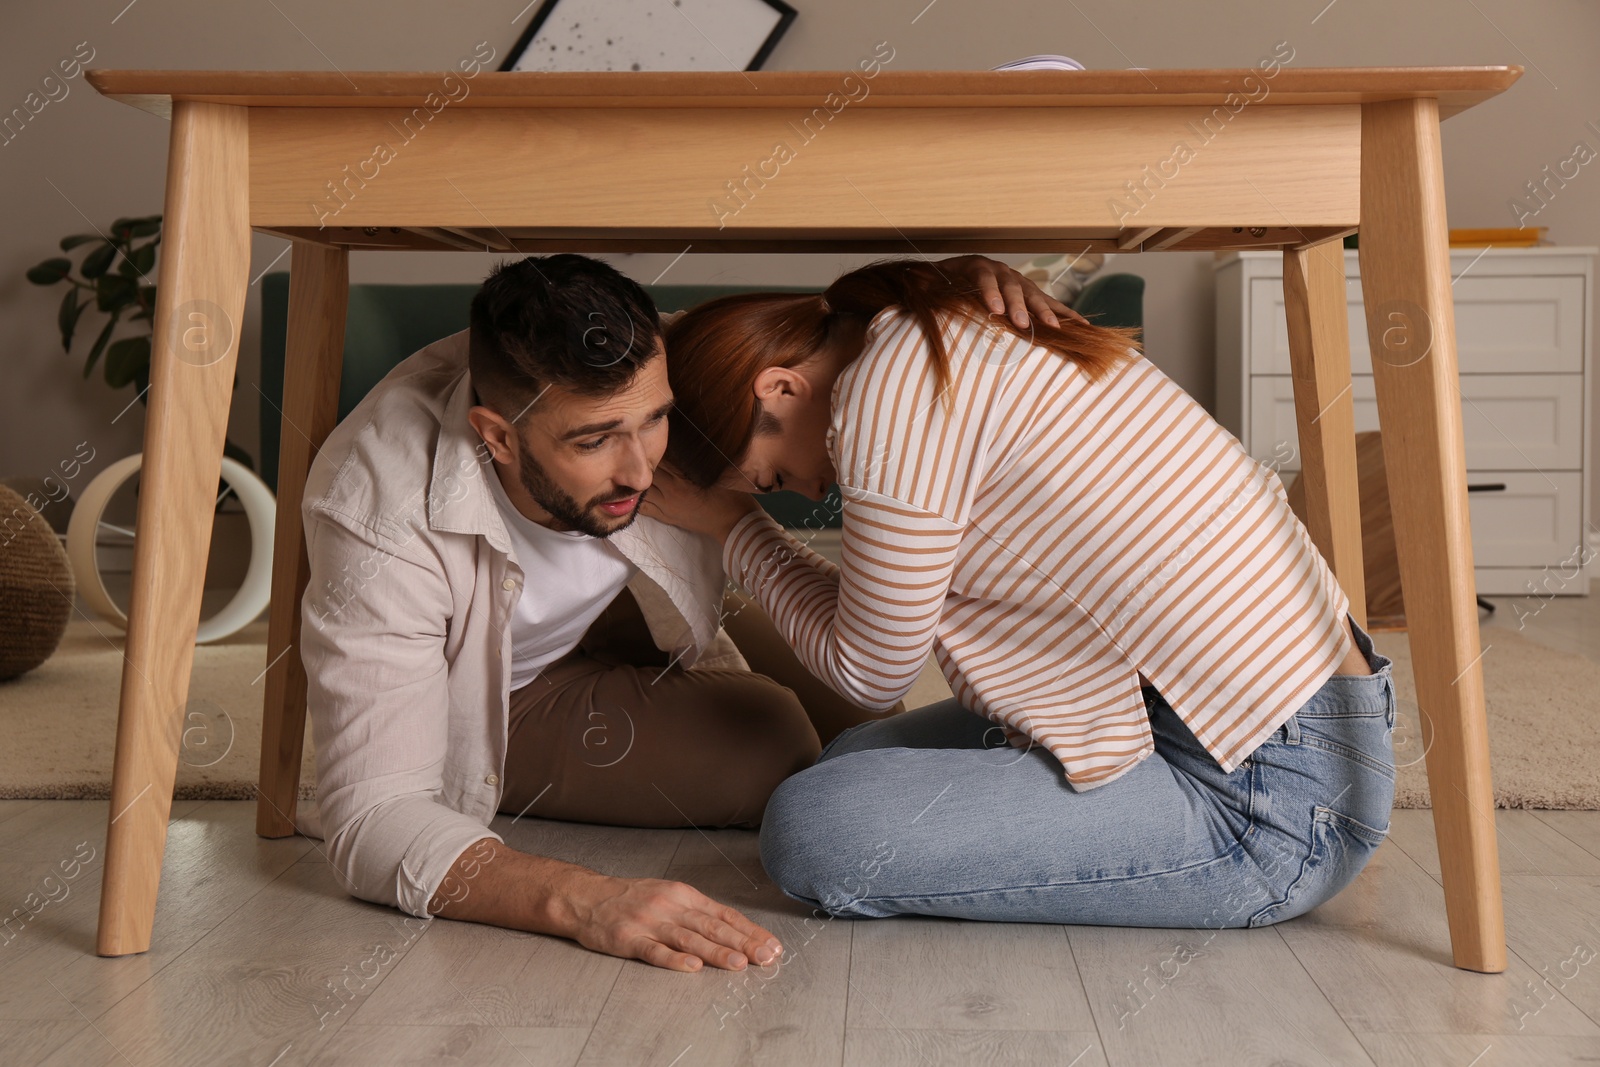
(564, 320)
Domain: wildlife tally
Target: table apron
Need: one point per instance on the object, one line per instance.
(886, 173)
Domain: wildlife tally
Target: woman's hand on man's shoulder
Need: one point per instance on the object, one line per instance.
(675, 500)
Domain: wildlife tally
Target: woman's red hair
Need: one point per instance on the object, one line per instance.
(715, 350)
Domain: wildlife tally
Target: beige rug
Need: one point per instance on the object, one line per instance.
(59, 722)
(1544, 724)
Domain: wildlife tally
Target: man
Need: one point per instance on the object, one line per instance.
(516, 454)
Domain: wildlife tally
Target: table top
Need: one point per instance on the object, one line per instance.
(1456, 88)
(563, 191)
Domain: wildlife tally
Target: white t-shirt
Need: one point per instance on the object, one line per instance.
(569, 579)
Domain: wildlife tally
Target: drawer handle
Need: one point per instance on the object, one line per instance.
(1487, 487)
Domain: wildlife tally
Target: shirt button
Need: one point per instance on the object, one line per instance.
(493, 779)
(509, 583)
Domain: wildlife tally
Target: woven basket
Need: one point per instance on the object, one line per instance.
(36, 587)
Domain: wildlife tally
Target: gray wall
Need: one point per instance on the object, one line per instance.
(84, 159)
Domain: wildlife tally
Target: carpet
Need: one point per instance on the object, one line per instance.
(59, 722)
(1544, 730)
(60, 719)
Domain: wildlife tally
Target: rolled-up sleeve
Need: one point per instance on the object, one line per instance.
(374, 619)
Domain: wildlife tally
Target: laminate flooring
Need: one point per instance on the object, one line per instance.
(261, 959)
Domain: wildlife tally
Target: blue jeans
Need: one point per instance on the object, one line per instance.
(930, 812)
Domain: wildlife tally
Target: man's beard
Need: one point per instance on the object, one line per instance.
(563, 508)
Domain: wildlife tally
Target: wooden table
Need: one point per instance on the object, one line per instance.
(911, 162)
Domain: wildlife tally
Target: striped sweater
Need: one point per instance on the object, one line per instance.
(1050, 539)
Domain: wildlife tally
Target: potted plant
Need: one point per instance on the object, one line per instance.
(115, 277)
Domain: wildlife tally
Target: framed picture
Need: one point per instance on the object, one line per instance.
(650, 35)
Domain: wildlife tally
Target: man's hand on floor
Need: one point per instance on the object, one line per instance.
(667, 924)
(664, 923)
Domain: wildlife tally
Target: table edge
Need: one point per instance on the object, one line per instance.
(1456, 87)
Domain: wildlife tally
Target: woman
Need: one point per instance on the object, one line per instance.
(1163, 713)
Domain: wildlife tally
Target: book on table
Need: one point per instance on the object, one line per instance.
(1048, 62)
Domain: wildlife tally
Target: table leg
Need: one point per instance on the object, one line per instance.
(1405, 272)
(1325, 414)
(205, 267)
(319, 292)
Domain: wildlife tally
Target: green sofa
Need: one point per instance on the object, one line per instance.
(387, 323)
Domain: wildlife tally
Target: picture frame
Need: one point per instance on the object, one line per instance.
(650, 35)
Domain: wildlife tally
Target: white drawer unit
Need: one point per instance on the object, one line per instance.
(1511, 421)
(1532, 325)
(1524, 327)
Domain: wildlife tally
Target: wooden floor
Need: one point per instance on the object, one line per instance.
(261, 959)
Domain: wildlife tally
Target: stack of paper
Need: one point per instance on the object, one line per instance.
(1042, 63)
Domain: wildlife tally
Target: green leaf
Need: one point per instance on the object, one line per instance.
(96, 263)
(126, 229)
(144, 257)
(50, 271)
(114, 291)
(122, 229)
(67, 318)
(147, 303)
(124, 359)
(69, 243)
(138, 263)
(100, 342)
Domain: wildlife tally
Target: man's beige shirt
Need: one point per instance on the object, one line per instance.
(404, 627)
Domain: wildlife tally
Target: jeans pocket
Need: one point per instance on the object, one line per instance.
(1340, 849)
(1368, 744)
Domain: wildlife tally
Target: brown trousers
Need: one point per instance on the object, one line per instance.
(615, 732)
